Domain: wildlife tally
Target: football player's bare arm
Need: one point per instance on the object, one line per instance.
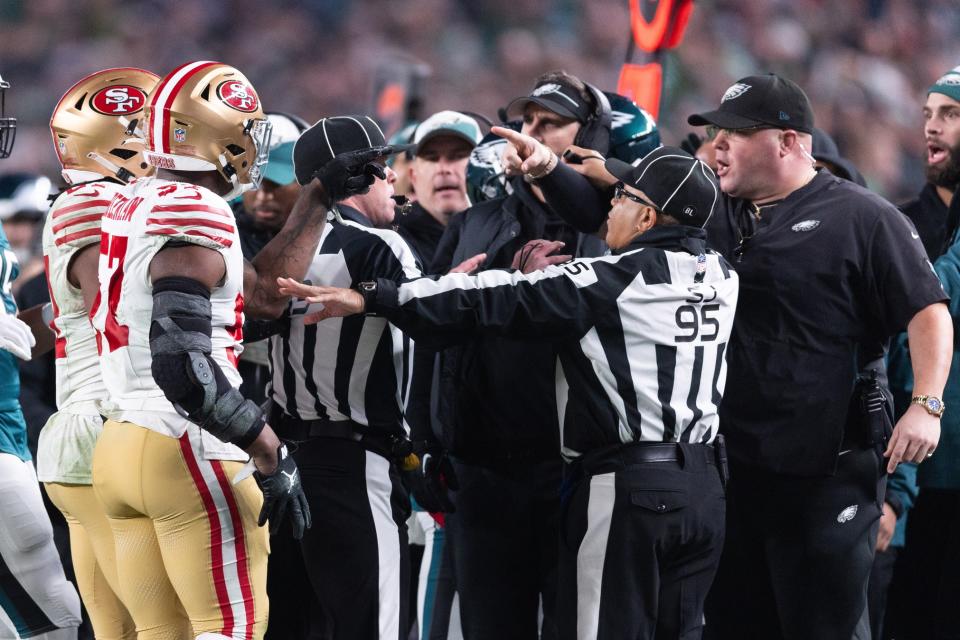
(189, 261)
(42, 334)
(290, 251)
(82, 273)
(182, 366)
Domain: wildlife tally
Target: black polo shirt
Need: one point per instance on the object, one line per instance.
(827, 275)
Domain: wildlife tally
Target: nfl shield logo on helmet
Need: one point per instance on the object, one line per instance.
(179, 134)
(237, 95)
(118, 100)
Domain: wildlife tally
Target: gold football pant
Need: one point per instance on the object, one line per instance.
(185, 535)
(94, 559)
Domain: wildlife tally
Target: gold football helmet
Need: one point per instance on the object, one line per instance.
(94, 126)
(205, 116)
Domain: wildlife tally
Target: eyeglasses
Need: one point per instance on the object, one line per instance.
(619, 191)
(712, 130)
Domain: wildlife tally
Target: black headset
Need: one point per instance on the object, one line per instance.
(595, 132)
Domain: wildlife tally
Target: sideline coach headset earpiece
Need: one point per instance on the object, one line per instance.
(595, 132)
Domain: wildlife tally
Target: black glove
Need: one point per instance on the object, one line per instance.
(432, 480)
(282, 490)
(691, 143)
(352, 173)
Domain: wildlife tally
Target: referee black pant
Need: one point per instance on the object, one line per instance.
(640, 542)
(798, 554)
(356, 553)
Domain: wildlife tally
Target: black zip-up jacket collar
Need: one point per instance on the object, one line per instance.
(421, 231)
(670, 238)
(353, 215)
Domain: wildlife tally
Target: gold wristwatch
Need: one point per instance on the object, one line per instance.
(932, 404)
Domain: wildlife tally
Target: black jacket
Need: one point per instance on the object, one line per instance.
(935, 223)
(496, 400)
(422, 232)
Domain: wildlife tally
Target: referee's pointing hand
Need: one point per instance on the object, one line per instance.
(337, 302)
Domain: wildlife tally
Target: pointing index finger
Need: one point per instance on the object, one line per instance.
(515, 138)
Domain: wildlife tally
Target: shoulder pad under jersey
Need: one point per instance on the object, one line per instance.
(75, 214)
(189, 213)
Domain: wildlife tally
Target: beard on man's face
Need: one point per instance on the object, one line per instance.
(946, 174)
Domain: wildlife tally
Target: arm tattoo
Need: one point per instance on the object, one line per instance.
(288, 254)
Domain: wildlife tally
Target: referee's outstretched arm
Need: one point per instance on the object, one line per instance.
(561, 301)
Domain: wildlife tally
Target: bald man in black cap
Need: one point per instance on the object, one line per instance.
(829, 271)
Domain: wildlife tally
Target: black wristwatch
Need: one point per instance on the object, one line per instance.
(369, 292)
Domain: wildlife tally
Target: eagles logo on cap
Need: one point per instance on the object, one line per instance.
(951, 78)
(735, 91)
(118, 100)
(239, 96)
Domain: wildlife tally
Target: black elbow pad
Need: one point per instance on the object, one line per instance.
(180, 346)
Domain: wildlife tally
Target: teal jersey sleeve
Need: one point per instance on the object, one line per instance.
(13, 430)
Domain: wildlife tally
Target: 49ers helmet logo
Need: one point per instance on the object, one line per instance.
(238, 95)
(118, 100)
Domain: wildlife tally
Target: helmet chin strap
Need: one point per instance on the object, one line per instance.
(76, 176)
(236, 188)
(112, 169)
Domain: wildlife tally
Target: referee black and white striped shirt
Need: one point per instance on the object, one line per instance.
(356, 368)
(642, 335)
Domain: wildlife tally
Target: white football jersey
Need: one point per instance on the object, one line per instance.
(67, 440)
(72, 224)
(141, 219)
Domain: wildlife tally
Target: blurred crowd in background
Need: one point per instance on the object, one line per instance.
(864, 63)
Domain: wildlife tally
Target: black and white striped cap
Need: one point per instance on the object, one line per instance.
(675, 182)
(332, 136)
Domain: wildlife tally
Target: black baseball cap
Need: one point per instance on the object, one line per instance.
(559, 97)
(675, 182)
(332, 136)
(757, 100)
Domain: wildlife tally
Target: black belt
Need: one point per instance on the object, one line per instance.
(290, 428)
(296, 430)
(621, 456)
